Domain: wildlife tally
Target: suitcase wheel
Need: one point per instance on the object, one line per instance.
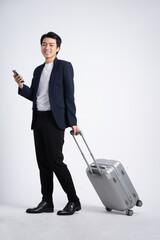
(129, 212)
(139, 203)
(108, 209)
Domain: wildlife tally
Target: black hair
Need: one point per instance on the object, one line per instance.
(52, 35)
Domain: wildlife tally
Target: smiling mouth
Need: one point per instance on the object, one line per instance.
(46, 52)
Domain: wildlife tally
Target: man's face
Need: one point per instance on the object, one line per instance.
(49, 48)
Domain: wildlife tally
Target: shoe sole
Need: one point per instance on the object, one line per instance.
(47, 210)
(65, 214)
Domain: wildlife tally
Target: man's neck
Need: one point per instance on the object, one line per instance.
(49, 60)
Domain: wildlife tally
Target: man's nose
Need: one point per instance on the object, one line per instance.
(47, 46)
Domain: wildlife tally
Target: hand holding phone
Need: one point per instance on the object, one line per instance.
(15, 72)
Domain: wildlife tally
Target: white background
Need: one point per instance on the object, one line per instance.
(114, 46)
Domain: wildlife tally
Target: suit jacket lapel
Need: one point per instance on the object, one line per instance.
(51, 82)
(38, 77)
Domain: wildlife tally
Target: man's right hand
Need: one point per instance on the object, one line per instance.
(19, 80)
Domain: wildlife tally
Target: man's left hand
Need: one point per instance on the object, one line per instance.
(75, 129)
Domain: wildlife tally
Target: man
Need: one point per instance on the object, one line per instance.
(52, 93)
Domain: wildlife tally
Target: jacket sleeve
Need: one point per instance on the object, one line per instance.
(26, 91)
(70, 107)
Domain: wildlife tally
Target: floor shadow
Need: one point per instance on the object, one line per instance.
(102, 210)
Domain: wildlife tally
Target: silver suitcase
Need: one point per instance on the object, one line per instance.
(111, 183)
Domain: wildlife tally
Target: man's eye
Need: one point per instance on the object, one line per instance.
(51, 45)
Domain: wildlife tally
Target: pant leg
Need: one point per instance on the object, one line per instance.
(45, 171)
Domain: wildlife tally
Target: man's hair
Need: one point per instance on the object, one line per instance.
(52, 35)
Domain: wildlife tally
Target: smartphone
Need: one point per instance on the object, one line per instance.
(15, 72)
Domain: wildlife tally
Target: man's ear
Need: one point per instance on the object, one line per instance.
(58, 48)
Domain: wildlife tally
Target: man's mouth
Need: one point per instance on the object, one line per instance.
(46, 52)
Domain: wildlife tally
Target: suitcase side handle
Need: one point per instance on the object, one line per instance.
(81, 134)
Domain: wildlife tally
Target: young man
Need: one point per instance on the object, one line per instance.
(52, 94)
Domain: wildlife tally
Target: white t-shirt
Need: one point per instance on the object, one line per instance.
(43, 103)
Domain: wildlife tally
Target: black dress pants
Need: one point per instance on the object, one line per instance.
(49, 141)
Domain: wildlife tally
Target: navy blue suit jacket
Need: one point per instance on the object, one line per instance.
(61, 93)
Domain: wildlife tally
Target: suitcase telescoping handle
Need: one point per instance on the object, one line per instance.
(81, 134)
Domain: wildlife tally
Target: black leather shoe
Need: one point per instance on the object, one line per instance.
(42, 207)
(70, 208)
